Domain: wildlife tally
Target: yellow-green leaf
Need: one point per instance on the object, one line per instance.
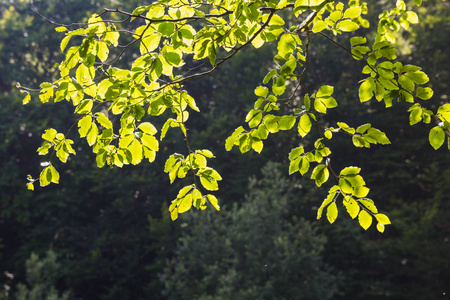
(136, 151)
(103, 120)
(213, 200)
(304, 126)
(332, 212)
(49, 134)
(436, 137)
(365, 219)
(382, 219)
(353, 12)
(352, 207)
(150, 141)
(147, 127)
(185, 204)
(380, 227)
(347, 25)
(26, 99)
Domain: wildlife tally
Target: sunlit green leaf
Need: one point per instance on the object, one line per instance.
(366, 89)
(424, 93)
(436, 137)
(304, 126)
(352, 207)
(347, 25)
(49, 134)
(353, 12)
(213, 200)
(320, 174)
(332, 212)
(365, 219)
(382, 219)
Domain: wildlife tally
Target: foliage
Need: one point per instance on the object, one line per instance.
(258, 250)
(119, 106)
(41, 276)
(96, 219)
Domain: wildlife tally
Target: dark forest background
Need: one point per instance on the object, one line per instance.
(106, 233)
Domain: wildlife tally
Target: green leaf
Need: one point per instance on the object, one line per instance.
(352, 207)
(293, 165)
(84, 107)
(149, 42)
(412, 17)
(208, 182)
(436, 137)
(296, 152)
(212, 53)
(357, 40)
(416, 114)
(286, 45)
(406, 83)
(102, 51)
(380, 227)
(361, 191)
(365, 219)
(45, 177)
(324, 91)
(319, 26)
(166, 28)
(60, 29)
(353, 12)
(366, 89)
(101, 158)
(150, 142)
(269, 76)
(418, 77)
(214, 202)
(229, 142)
(346, 128)
(320, 174)
(54, 174)
(136, 151)
(382, 219)
(30, 186)
(307, 102)
(49, 134)
(257, 145)
(347, 25)
(185, 204)
(26, 99)
(369, 204)
(304, 126)
(103, 120)
(303, 166)
(321, 104)
(64, 42)
(424, 93)
(174, 171)
(206, 153)
(279, 86)
(139, 10)
(332, 212)
(286, 122)
(330, 197)
(254, 118)
(165, 128)
(261, 91)
(350, 171)
(92, 134)
(148, 128)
